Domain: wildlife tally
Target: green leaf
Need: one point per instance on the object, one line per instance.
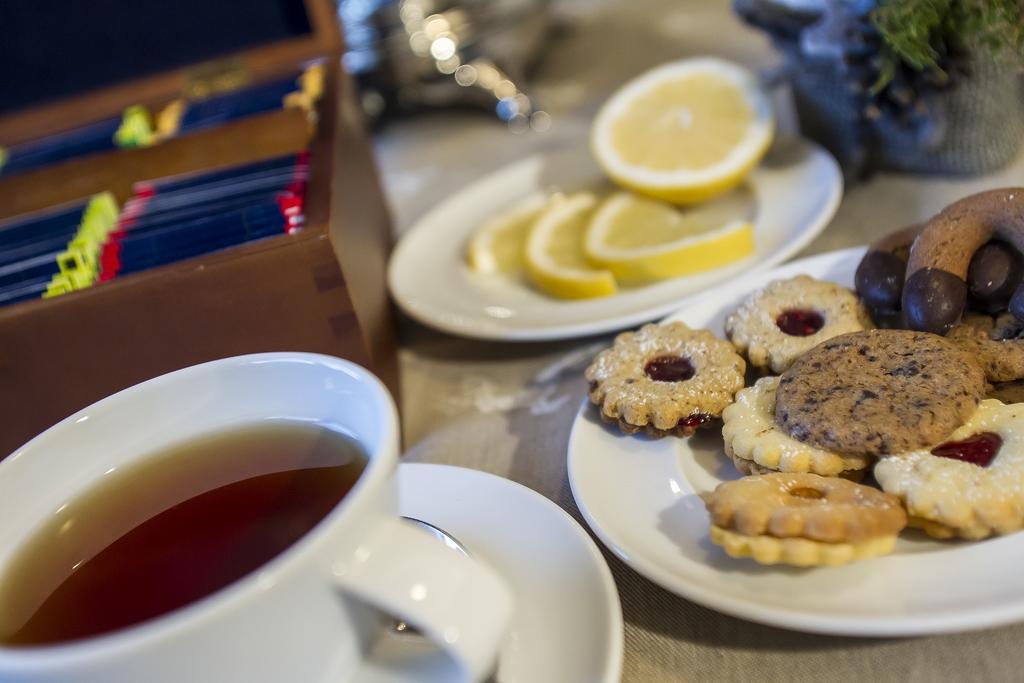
(920, 32)
(885, 74)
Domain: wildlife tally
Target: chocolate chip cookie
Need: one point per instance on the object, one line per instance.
(879, 392)
(757, 445)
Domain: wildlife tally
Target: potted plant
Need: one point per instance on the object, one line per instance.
(928, 86)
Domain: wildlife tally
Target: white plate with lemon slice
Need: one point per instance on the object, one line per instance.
(547, 249)
(789, 198)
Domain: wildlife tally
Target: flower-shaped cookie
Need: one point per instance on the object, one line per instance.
(781, 321)
(971, 486)
(665, 379)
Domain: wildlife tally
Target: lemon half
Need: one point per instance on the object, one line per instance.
(554, 251)
(641, 240)
(685, 131)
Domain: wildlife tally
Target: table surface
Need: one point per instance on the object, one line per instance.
(507, 408)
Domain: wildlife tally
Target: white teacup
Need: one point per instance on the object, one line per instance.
(309, 614)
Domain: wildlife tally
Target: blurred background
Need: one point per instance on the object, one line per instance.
(914, 100)
(565, 56)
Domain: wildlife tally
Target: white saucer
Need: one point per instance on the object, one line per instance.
(641, 497)
(568, 622)
(793, 195)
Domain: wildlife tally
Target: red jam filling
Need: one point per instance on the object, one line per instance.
(694, 421)
(798, 322)
(669, 369)
(978, 450)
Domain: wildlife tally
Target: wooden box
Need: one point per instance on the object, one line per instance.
(320, 290)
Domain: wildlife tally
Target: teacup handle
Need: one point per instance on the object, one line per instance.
(458, 602)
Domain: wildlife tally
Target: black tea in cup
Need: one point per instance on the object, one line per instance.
(173, 528)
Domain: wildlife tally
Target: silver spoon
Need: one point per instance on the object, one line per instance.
(399, 626)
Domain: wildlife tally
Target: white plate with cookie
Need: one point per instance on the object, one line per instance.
(642, 497)
(790, 198)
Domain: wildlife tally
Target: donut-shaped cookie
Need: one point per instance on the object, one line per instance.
(994, 342)
(935, 290)
(971, 485)
(756, 444)
(803, 519)
(781, 321)
(878, 391)
(993, 274)
(665, 379)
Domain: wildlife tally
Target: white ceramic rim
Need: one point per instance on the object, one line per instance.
(378, 469)
(616, 630)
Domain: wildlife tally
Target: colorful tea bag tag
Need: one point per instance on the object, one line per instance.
(79, 265)
(168, 120)
(312, 82)
(60, 284)
(136, 129)
(311, 88)
(101, 212)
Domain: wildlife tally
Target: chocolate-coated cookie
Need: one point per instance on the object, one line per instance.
(935, 289)
(879, 392)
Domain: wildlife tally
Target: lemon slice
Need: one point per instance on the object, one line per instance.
(497, 244)
(554, 251)
(685, 131)
(640, 240)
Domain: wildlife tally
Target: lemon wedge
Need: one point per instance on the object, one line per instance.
(496, 246)
(554, 251)
(640, 240)
(685, 131)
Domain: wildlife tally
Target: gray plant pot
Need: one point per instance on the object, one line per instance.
(978, 125)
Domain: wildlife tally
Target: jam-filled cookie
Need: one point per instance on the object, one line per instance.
(972, 485)
(756, 444)
(878, 392)
(803, 519)
(665, 379)
(788, 317)
(996, 343)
